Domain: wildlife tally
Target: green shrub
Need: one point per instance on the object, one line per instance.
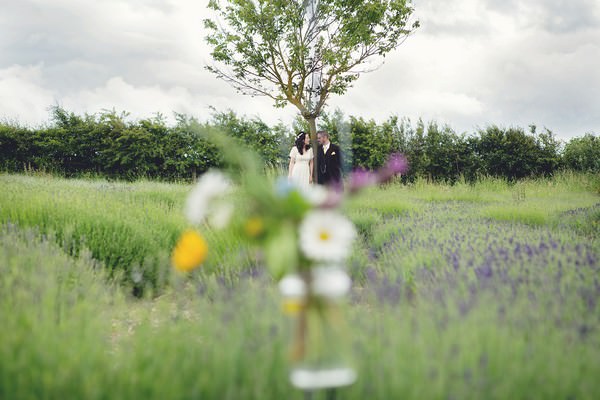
(583, 154)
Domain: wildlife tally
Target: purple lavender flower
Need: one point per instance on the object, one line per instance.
(333, 198)
(455, 261)
(396, 164)
(361, 178)
(484, 271)
(371, 274)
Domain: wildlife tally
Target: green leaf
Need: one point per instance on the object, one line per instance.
(264, 48)
(281, 251)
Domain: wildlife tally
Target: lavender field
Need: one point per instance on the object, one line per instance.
(485, 291)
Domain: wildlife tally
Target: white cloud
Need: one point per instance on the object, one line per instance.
(22, 97)
(145, 100)
(472, 63)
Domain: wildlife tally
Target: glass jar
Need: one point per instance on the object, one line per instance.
(320, 352)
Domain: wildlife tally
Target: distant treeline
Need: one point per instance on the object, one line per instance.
(110, 145)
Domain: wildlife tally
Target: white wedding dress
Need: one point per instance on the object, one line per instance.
(301, 170)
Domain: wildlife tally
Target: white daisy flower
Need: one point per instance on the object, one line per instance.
(331, 282)
(220, 215)
(326, 235)
(314, 194)
(207, 198)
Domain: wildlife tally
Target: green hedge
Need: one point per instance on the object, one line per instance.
(110, 145)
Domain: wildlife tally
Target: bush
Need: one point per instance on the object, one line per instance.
(109, 145)
(583, 154)
(513, 154)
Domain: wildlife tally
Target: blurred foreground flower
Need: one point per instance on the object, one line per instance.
(361, 178)
(326, 235)
(396, 164)
(191, 251)
(301, 238)
(254, 227)
(207, 201)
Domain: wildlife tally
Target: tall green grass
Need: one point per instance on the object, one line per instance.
(448, 301)
(129, 227)
(67, 333)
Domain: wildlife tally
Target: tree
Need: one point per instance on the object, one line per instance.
(509, 153)
(253, 133)
(300, 52)
(583, 154)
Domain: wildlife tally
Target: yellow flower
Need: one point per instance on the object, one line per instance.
(254, 227)
(292, 306)
(191, 251)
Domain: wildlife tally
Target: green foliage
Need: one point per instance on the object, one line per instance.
(111, 146)
(371, 144)
(513, 154)
(128, 228)
(273, 48)
(446, 301)
(583, 154)
(439, 154)
(108, 145)
(55, 314)
(449, 156)
(67, 333)
(253, 133)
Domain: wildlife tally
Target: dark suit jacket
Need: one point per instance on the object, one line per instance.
(329, 166)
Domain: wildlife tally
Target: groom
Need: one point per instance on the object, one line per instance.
(329, 161)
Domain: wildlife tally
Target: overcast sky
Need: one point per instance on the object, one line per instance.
(472, 63)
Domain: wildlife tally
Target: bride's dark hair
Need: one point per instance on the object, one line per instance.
(300, 142)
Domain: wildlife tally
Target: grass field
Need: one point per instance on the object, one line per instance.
(485, 291)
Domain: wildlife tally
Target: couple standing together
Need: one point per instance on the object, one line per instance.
(329, 161)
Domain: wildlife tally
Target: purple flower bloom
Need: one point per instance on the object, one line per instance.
(455, 261)
(484, 271)
(361, 178)
(591, 259)
(334, 198)
(396, 164)
(371, 274)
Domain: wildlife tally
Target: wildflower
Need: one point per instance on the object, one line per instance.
(191, 251)
(220, 215)
(316, 195)
(361, 178)
(293, 289)
(292, 306)
(254, 227)
(330, 282)
(207, 199)
(334, 198)
(396, 164)
(326, 235)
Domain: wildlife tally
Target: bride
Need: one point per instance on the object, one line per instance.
(301, 161)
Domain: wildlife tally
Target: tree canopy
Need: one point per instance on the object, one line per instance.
(300, 52)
